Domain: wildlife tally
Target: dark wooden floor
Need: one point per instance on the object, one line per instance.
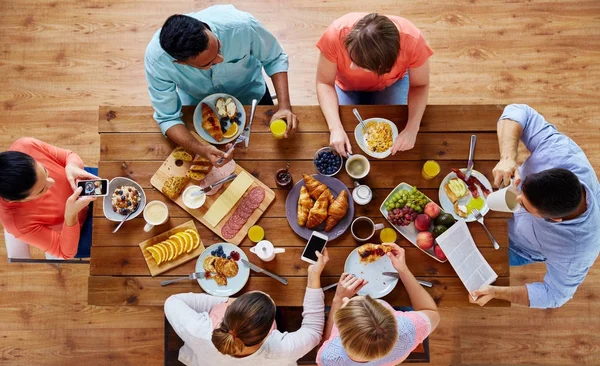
(61, 59)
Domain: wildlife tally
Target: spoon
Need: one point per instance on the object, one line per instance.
(359, 118)
(121, 223)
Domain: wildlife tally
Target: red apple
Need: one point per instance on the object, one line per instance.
(425, 240)
(439, 253)
(422, 222)
(432, 210)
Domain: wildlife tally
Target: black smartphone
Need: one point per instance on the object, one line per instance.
(316, 242)
(96, 187)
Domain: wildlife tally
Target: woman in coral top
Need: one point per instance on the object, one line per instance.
(39, 197)
(373, 59)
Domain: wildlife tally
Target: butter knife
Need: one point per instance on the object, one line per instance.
(257, 269)
(209, 188)
(395, 274)
(249, 125)
(470, 163)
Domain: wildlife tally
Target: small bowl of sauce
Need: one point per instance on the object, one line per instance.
(283, 179)
(193, 202)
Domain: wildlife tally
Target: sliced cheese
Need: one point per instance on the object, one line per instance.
(228, 199)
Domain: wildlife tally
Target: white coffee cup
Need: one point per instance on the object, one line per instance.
(504, 200)
(359, 221)
(155, 213)
(354, 157)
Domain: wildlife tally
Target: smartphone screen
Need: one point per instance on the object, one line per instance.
(314, 243)
(98, 187)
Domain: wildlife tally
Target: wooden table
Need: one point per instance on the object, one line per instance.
(132, 146)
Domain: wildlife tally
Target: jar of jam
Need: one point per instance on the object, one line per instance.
(283, 178)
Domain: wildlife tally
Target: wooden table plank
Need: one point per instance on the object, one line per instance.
(277, 208)
(146, 291)
(383, 174)
(276, 229)
(437, 118)
(129, 261)
(429, 145)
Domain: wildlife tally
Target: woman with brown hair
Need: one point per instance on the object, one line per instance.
(372, 59)
(361, 329)
(242, 331)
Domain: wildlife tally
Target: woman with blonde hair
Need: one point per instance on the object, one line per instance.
(242, 331)
(363, 330)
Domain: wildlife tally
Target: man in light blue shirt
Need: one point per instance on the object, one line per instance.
(217, 50)
(559, 222)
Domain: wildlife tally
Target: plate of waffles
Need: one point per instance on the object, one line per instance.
(224, 276)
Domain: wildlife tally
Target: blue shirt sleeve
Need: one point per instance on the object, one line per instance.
(559, 286)
(536, 130)
(164, 98)
(266, 49)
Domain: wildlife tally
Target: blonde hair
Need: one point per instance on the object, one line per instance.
(246, 323)
(368, 329)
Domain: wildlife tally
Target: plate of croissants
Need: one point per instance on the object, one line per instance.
(319, 203)
(219, 118)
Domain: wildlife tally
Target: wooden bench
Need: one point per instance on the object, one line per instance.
(289, 318)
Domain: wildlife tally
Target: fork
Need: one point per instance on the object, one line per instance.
(479, 219)
(193, 276)
(239, 139)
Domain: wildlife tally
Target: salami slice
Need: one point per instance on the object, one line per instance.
(238, 219)
(256, 195)
(228, 232)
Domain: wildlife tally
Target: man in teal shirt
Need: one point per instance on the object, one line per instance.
(217, 50)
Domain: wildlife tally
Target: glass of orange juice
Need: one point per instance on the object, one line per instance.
(431, 169)
(388, 235)
(278, 128)
(256, 233)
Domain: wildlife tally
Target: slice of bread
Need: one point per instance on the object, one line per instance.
(180, 153)
(454, 196)
(231, 108)
(173, 186)
(460, 212)
(221, 107)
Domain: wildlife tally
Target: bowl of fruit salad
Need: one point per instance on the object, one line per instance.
(327, 161)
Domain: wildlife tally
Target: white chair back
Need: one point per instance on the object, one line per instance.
(15, 248)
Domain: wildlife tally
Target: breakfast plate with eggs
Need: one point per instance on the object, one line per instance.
(460, 197)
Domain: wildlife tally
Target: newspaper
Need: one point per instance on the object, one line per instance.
(464, 256)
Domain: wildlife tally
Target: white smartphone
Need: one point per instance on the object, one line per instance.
(96, 187)
(316, 242)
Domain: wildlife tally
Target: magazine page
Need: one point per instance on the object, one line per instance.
(464, 256)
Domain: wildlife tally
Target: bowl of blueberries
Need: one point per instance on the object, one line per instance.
(327, 161)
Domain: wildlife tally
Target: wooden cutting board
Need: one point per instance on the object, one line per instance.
(170, 168)
(183, 258)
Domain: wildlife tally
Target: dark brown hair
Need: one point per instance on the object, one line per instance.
(247, 322)
(368, 329)
(374, 43)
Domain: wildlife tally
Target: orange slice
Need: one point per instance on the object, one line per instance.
(172, 249)
(156, 254)
(195, 236)
(180, 243)
(189, 241)
(165, 252)
(233, 129)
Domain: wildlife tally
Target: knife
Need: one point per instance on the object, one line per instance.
(395, 274)
(470, 163)
(208, 189)
(249, 125)
(193, 276)
(329, 286)
(257, 269)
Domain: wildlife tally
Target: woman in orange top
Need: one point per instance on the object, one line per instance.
(39, 197)
(373, 59)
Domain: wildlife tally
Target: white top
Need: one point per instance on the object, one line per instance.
(189, 317)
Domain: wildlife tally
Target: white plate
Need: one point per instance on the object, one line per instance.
(107, 200)
(234, 284)
(211, 100)
(409, 231)
(379, 285)
(448, 206)
(362, 142)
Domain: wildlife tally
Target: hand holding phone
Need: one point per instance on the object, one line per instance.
(316, 242)
(96, 187)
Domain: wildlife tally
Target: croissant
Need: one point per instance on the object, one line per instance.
(305, 203)
(318, 213)
(210, 122)
(337, 210)
(314, 187)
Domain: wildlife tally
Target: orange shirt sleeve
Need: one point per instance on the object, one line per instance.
(63, 156)
(421, 53)
(330, 43)
(61, 244)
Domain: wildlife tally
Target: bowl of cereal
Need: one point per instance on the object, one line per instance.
(378, 138)
(124, 196)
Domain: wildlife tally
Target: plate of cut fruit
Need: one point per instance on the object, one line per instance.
(368, 262)
(417, 218)
(223, 273)
(219, 118)
(459, 196)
